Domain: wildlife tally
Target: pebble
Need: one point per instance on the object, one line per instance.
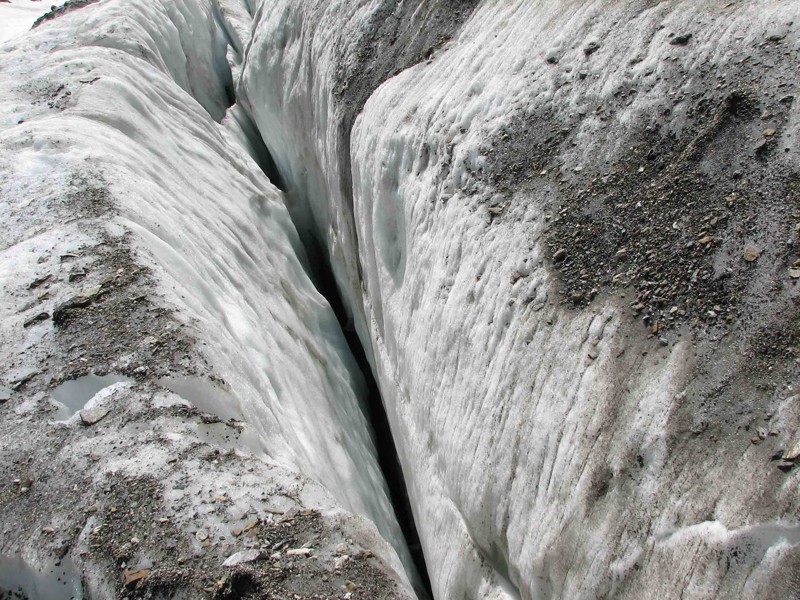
(132, 577)
(42, 316)
(246, 556)
(793, 453)
(681, 40)
(750, 254)
(591, 48)
(90, 416)
(560, 255)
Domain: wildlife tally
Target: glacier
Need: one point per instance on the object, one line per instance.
(564, 234)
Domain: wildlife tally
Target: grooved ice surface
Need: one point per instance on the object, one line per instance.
(129, 93)
(547, 450)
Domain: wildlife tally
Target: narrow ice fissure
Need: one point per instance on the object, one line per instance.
(324, 280)
(388, 460)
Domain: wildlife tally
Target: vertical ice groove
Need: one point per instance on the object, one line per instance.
(219, 233)
(542, 446)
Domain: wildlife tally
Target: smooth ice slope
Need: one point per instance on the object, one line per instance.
(548, 451)
(17, 16)
(126, 94)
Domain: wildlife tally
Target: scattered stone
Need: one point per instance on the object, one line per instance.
(770, 132)
(131, 577)
(681, 40)
(92, 291)
(560, 255)
(48, 530)
(793, 453)
(246, 556)
(252, 524)
(705, 240)
(90, 416)
(298, 552)
(496, 210)
(201, 535)
(552, 57)
(350, 586)
(22, 379)
(593, 353)
(76, 275)
(775, 36)
(38, 318)
(61, 312)
(785, 466)
(591, 48)
(751, 254)
(39, 281)
(794, 273)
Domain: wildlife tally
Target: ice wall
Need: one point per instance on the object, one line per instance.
(129, 93)
(549, 451)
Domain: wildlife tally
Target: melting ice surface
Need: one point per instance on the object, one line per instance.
(74, 394)
(204, 395)
(20, 580)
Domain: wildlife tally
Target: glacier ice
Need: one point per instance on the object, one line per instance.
(549, 450)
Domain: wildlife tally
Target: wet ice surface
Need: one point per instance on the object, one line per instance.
(204, 395)
(20, 580)
(74, 394)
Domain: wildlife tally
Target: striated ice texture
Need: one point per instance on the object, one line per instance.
(546, 451)
(149, 83)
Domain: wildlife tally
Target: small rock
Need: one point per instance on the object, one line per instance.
(794, 273)
(48, 530)
(751, 254)
(681, 40)
(770, 132)
(591, 48)
(250, 525)
(38, 281)
(793, 453)
(201, 535)
(350, 586)
(132, 577)
(298, 552)
(5, 394)
(42, 316)
(785, 466)
(593, 353)
(246, 556)
(61, 312)
(552, 57)
(90, 416)
(560, 255)
(706, 239)
(663, 341)
(775, 36)
(92, 291)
